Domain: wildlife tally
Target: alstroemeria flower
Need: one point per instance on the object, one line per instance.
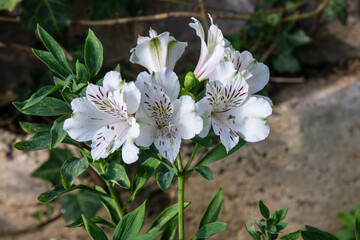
(211, 52)
(165, 120)
(232, 114)
(157, 51)
(105, 116)
(256, 73)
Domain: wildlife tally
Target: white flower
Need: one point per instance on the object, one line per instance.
(157, 51)
(105, 117)
(232, 114)
(165, 120)
(256, 73)
(211, 52)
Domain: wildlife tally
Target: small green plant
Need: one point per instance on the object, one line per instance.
(348, 220)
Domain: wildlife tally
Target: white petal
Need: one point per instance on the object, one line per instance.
(203, 109)
(131, 97)
(260, 76)
(252, 117)
(175, 51)
(224, 72)
(147, 132)
(185, 117)
(245, 58)
(198, 28)
(86, 120)
(265, 98)
(112, 81)
(168, 144)
(129, 152)
(227, 135)
(212, 62)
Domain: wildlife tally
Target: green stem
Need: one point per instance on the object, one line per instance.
(192, 156)
(181, 205)
(114, 195)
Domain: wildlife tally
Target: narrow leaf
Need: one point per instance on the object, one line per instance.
(313, 233)
(82, 74)
(71, 169)
(210, 229)
(264, 210)
(93, 54)
(255, 235)
(170, 230)
(357, 226)
(205, 172)
(147, 236)
(39, 95)
(164, 180)
(213, 210)
(109, 205)
(34, 127)
(50, 61)
(79, 222)
(54, 192)
(291, 236)
(130, 225)
(116, 173)
(38, 141)
(57, 132)
(49, 106)
(94, 231)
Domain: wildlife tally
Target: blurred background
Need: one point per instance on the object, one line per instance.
(309, 163)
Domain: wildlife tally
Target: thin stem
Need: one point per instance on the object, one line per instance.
(181, 206)
(192, 156)
(179, 163)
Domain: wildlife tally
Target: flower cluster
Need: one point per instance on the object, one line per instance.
(150, 111)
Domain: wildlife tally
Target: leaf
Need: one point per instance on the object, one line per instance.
(299, 38)
(50, 61)
(164, 180)
(79, 222)
(94, 231)
(255, 235)
(205, 172)
(39, 95)
(71, 169)
(73, 206)
(34, 127)
(109, 205)
(54, 15)
(106, 9)
(312, 233)
(147, 236)
(68, 81)
(54, 192)
(264, 210)
(141, 176)
(213, 210)
(82, 74)
(279, 215)
(190, 81)
(337, 9)
(170, 230)
(9, 4)
(50, 170)
(286, 63)
(210, 229)
(219, 152)
(57, 132)
(49, 106)
(202, 141)
(93, 54)
(131, 224)
(116, 173)
(165, 217)
(38, 141)
(357, 227)
(54, 48)
(291, 236)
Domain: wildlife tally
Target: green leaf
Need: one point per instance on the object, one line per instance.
(210, 229)
(281, 226)
(165, 217)
(299, 38)
(164, 180)
(93, 54)
(73, 206)
(205, 172)
(312, 233)
(94, 231)
(131, 224)
(271, 229)
(57, 132)
(219, 152)
(49, 106)
(82, 74)
(39, 95)
(54, 48)
(79, 222)
(68, 81)
(71, 169)
(264, 210)
(170, 229)
(50, 61)
(147, 236)
(50, 170)
(38, 141)
(54, 15)
(106, 9)
(337, 9)
(34, 127)
(286, 63)
(213, 210)
(109, 205)
(202, 141)
(9, 4)
(255, 235)
(141, 176)
(357, 227)
(291, 236)
(190, 81)
(279, 215)
(116, 173)
(54, 192)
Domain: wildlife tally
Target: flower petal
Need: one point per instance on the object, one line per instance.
(260, 76)
(185, 118)
(86, 120)
(203, 109)
(223, 72)
(228, 136)
(131, 97)
(129, 152)
(175, 50)
(168, 143)
(112, 81)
